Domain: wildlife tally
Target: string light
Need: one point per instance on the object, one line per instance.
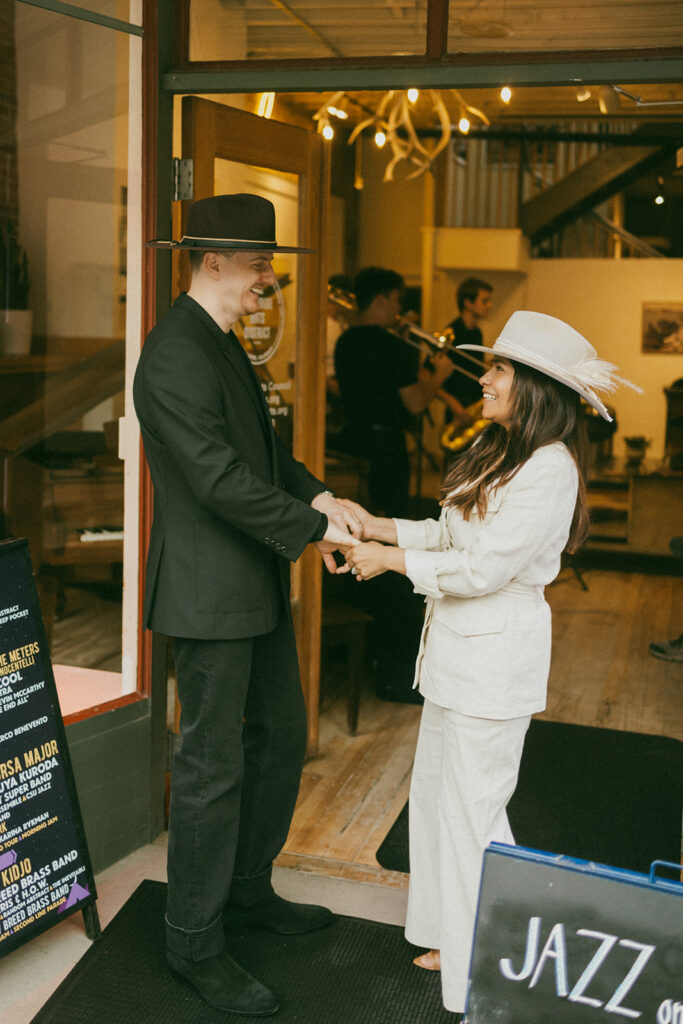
(464, 125)
(322, 116)
(506, 94)
(265, 104)
(380, 138)
(413, 95)
(659, 199)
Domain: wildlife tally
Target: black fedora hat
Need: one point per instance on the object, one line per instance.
(240, 221)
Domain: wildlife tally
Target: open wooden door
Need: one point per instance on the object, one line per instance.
(235, 151)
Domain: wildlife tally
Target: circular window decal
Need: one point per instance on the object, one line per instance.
(261, 333)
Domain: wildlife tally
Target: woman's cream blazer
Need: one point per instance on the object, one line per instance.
(485, 647)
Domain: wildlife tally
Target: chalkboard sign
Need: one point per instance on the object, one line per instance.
(45, 871)
(571, 942)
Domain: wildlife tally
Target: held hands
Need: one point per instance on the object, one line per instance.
(369, 524)
(340, 513)
(334, 540)
(372, 559)
(348, 524)
(343, 528)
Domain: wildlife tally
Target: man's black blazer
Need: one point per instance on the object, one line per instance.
(231, 505)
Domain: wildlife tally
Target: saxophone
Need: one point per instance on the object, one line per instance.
(457, 437)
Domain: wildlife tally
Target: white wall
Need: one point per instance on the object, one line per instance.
(603, 300)
(391, 216)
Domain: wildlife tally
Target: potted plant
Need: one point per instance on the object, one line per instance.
(15, 316)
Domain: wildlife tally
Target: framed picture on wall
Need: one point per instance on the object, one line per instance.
(662, 327)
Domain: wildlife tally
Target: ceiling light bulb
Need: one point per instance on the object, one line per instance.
(380, 138)
(265, 104)
(336, 112)
(328, 132)
(412, 95)
(464, 125)
(506, 94)
(659, 199)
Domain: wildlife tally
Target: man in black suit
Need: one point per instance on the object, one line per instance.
(232, 508)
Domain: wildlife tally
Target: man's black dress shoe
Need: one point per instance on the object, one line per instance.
(224, 984)
(276, 914)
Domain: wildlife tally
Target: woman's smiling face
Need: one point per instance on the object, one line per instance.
(497, 387)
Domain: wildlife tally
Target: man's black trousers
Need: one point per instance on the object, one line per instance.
(235, 779)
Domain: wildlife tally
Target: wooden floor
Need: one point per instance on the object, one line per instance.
(87, 631)
(602, 675)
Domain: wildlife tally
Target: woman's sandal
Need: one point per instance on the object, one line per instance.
(430, 961)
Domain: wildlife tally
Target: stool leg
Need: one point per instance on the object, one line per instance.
(355, 669)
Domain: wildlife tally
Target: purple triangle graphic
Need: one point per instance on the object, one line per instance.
(78, 893)
(8, 859)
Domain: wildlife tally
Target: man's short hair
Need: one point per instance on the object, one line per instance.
(341, 281)
(373, 281)
(469, 289)
(197, 257)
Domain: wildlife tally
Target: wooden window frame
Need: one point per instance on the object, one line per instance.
(436, 65)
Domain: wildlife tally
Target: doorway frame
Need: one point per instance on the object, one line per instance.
(169, 74)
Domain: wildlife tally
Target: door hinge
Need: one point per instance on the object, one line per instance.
(183, 179)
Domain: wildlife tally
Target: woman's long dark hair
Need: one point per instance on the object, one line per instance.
(543, 412)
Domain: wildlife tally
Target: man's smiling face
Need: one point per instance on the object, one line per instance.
(244, 277)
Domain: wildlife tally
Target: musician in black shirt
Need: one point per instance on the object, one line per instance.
(377, 372)
(474, 305)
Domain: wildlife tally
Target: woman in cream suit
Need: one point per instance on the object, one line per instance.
(510, 505)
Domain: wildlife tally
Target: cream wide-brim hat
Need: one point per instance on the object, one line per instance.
(553, 347)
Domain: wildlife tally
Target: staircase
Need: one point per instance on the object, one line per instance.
(562, 189)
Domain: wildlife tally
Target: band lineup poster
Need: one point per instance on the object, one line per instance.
(574, 942)
(45, 871)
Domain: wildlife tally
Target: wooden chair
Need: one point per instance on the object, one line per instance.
(346, 626)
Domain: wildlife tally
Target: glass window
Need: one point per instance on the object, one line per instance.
(121, 10)
(252, 29)
(318, 29)
(553, 25)
(62, 332)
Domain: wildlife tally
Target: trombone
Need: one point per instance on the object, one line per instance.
(413, 335)
(456, 436)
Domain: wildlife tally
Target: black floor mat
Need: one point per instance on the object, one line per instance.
(354, 972)
(598, 794)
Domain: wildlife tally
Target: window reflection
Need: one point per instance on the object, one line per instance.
(245, 29)
(66, 151)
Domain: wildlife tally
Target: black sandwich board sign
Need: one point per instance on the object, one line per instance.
(45, 871)
(565, 941)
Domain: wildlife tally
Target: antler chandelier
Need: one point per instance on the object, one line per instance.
(393, 124)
